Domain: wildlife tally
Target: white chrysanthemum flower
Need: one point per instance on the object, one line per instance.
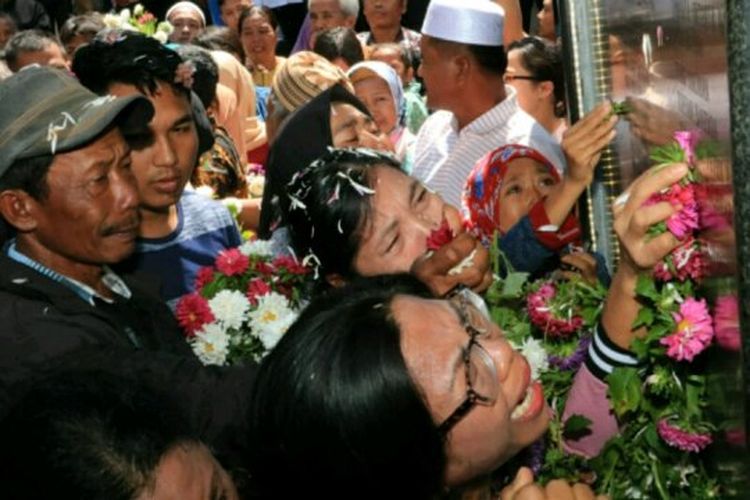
(263, 248)
(535, 354)
(211, 345)
(160, 36)
(138, 10)
(229, 308)
(112, 21)
(271, 319)
(125, 15)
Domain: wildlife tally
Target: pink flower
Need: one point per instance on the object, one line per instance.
(193, 312)
(203, 277)
(685, 261)
(232, 262)
(688, 139)
(684, 222)
(257, 288)
(683, 440)
(541, 313)
(694, 331)
(290, 264)
(727, 322)
(440, 236)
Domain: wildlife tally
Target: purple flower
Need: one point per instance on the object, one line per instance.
(574, 361)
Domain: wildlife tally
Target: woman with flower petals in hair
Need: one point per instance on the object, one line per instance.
(445, 401)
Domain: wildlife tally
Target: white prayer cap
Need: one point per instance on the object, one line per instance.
(473, 22)
(188, 6)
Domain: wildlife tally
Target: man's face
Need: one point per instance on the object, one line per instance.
(437, 71)
(384, 13)
(6, 31)
(187, 25)
(90, 214)
(327, 14)
(52, 55)
(164, 158)
(231, 10)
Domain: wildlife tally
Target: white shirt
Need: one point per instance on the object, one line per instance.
(444, 156)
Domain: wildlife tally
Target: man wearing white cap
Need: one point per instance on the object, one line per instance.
(463, 62)
(188, 20)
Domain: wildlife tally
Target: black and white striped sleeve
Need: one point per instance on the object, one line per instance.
(604, 355)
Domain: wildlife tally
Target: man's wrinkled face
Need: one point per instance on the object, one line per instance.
(327, 14)
(90, 213)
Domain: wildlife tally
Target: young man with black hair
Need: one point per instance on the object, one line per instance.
(463, 62)
(180, 231)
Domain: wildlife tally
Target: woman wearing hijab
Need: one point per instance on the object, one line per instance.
(335, 118)
(379, 87)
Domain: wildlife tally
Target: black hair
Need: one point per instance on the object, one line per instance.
(543, 60)
(490, 58)
(339, 42)
(221, 38)
(27, 41)
(29, 175)
(260, 10)
(119, 56)
(87, 25)
(335, 412)
(86, 435)
(206, 75)
(327, 206)
(405, 54)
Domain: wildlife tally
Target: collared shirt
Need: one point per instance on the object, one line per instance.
(109, 278)
(444, 156)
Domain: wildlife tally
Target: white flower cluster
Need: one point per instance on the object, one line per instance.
(122, 21)
(533, 350)
(234, 317)
(262, 248)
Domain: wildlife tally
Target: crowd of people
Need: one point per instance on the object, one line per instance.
(128, 163)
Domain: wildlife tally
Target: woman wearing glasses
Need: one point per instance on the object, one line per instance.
(380, 390)
(535, 70)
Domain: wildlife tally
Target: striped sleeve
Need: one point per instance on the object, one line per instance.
(604, 355)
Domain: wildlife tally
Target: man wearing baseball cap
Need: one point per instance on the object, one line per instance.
(463, 62)
(67, 191)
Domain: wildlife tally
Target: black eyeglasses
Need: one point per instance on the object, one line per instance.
(481, 373)
(507, 78)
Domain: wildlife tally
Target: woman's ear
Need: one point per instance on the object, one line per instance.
(546, 88)
(335, 280)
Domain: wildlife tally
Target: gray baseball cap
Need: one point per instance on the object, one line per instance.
(45, 111)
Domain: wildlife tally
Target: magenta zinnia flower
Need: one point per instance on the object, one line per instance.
(683, 440)
(255, 289)
(688, 139)
(203, 277)
(684, 222)
(542, 313)
(232, 262)
(193, 312)
(685, 261)
(694, 331)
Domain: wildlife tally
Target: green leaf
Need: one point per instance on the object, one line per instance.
(624, 390)
(646, 287)
(513, 284)
(576, 427)
(645, 318)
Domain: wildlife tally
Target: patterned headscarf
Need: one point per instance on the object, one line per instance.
(481, 197)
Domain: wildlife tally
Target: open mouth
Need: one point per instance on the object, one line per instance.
(531, 405)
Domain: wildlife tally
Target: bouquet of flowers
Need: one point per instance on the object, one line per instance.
(243, 304)
(662, 405)
(141, 20)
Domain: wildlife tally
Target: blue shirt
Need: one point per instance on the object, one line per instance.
(204, 228)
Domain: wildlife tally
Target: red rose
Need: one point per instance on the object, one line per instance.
(440, 236)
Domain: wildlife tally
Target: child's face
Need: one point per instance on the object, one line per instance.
(525, 183)
(393, 59)
(376, 95)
